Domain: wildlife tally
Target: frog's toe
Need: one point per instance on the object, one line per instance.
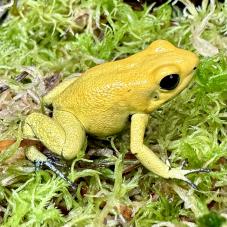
(48, 163)
(194, 186)
(34, 155)
(54, 158)
(38, 165)
(202, 170)
(179, 173)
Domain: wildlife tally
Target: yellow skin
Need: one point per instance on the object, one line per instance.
(100, 101)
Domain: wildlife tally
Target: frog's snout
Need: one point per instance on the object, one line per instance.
(191, 62)
(195, 64)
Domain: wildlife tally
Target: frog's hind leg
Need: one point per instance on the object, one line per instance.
(63, 134)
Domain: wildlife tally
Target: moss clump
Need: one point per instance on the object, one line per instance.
(211, 220)
(68, 36)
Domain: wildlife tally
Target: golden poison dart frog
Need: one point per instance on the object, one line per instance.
(100, 101)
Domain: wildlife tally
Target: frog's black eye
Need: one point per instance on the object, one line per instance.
(170, 82)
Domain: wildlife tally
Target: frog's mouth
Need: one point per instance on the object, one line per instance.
(185, 82)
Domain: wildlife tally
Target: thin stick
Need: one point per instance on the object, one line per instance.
(18, 78)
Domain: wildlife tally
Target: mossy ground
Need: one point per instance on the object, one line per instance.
(63, 37)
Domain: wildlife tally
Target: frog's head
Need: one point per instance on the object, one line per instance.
(171, 71)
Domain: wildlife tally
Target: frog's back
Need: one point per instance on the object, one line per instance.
(54, 93)
(104, 96)
(100, 98)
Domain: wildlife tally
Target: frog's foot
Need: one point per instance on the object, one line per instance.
(179, 173)
(149, 159)
(54, 158)
(40, 159)
(52, 167)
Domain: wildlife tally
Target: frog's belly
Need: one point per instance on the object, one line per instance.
(103, 125)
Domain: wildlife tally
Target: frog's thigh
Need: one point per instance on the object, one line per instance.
(75, 136)
(62, 136)
(46, 129)
(142, 152)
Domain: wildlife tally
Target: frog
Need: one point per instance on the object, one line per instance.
(103, 98)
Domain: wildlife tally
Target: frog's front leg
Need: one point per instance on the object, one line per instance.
(148, 158)
(63, 134)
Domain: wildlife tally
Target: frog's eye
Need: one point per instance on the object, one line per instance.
(170, 82)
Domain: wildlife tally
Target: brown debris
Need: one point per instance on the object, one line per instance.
(4, 144)
(126, 212)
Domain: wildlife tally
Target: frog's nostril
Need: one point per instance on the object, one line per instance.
(194, 68)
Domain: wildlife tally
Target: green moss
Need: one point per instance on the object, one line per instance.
(216, 68)
(67, 37)
(211, 220)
